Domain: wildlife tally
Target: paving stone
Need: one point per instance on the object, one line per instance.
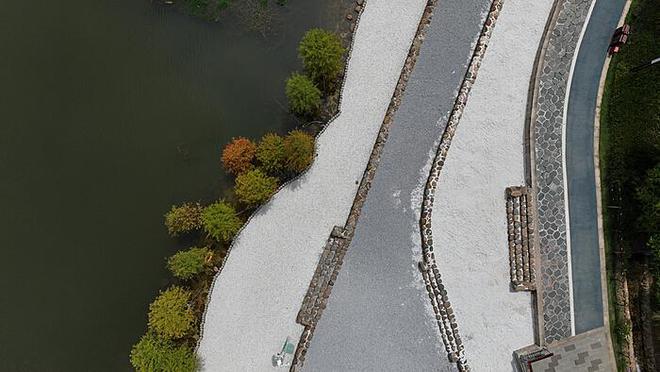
(548, 124)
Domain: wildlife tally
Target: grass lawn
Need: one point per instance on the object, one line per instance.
(630, 140)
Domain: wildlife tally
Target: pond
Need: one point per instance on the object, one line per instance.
(112, 111)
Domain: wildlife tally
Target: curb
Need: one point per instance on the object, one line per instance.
(436, 291)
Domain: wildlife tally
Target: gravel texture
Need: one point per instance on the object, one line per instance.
(469, 225)
(256, 297)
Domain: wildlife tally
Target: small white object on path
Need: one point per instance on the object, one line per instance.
(256, 297)
(469, 219)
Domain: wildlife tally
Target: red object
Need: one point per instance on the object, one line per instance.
(619, 38)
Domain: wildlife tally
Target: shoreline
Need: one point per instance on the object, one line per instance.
(294, 263)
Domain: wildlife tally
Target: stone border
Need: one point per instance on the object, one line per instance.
(549, 95)
(324, 277)
(436, 291)
(361, 4)
(367, 177)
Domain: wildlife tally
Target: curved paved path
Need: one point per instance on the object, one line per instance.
(253, 305)
(378, 317)
(583, 221)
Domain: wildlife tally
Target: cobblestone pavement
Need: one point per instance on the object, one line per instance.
(586, 352)
(547, 127)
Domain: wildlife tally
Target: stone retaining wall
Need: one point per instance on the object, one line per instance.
(436, 291)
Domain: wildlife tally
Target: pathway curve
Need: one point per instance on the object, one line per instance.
(379, 317)
(255, 298)
(580, 173)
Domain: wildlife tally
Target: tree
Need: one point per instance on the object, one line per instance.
(648, 195)
(298, 150)
(220, 221)
(303, 95)
(255, 187)
(184, 218)
(321, 52)
(237, 156)
(186, 264)
(170, 315)
(154, 354)
(270, 153)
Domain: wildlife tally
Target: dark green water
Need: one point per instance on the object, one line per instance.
(111, 111)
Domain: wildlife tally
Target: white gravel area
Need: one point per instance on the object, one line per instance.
(256, 297)
(469, 220)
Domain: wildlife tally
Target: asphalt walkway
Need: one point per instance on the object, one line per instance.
(585, 258)
(378, 317)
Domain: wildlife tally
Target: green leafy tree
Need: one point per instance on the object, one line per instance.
(298, 150)
(321, 52)
(255, 187)
(303, 95)
(170, 315)
(155, 354)
(270, 153)
(186, 264)
(184, 218)
(237, 156)
(648, 195)
(221, 221)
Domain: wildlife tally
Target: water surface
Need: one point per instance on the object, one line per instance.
(111, 111)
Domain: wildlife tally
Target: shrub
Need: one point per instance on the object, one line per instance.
(237, 156)
(255, 187)
(270, 153)
(184, 218)
(170, 316)
(298, 150)
(220, 221)
(187, 264)
(153, 353)
(304, 97)
(321, 53)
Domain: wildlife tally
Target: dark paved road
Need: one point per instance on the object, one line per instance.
(379, 317)
(587, 299)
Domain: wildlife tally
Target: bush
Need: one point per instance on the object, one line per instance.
(220, 221)
(237, 156)
(321, 53)
(170, 316)
(304, 97)
(270, 153)
(153, 353)
(648, 195)
(298, 150)
(184, 218)
(187, 264)
(255, 187)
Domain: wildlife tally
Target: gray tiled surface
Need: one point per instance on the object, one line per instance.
(548, 125)
(586, 352)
